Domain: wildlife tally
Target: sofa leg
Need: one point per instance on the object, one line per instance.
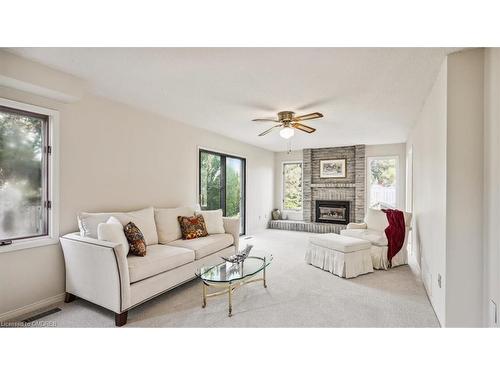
(121, 319)
(69, 297)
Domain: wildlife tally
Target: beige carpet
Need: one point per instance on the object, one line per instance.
(298, 295)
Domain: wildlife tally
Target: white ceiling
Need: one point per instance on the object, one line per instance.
(367, 95)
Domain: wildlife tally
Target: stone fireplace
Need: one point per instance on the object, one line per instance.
(350, 189)
(329, 204)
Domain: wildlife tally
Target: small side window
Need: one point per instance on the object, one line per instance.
(24, 175)
(292, 186)
(382, 182)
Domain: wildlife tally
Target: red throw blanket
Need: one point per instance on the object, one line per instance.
(395, 232)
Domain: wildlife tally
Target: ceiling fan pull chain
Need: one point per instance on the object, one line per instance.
(289, 146)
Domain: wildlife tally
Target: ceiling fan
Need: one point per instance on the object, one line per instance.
(288, 122)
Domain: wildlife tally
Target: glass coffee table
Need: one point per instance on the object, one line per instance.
(229, 276)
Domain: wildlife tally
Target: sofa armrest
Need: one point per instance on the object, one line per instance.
(97, 271)
(357, 226)
(232, 226)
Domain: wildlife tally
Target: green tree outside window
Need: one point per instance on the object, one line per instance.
(292, 186)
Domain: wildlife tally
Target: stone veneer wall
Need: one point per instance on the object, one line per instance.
(351, 188)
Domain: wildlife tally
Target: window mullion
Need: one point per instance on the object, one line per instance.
(223, 185)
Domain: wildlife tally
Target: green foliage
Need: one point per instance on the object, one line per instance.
(210, 181)
(292, 199)
(233, 191)
(21, 154)
(210, 175)
(383, 172)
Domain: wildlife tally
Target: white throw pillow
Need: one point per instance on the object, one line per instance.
(167, 224)
(112, 231)
(213, 221)
(376, 219)
(144, 219)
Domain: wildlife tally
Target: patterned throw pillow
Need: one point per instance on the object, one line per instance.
(135, 239)
(192, 227)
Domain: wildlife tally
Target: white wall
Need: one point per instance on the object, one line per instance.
(393, 149)
(279, 158)
(464, 201)
(491, 197)
(447, 144)
(428, 142)
(115, 157)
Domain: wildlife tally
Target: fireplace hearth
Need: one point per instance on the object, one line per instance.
(334, 212)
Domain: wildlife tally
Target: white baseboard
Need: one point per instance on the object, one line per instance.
(31, 307)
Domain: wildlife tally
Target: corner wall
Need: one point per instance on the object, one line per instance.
(464, 200)
(428, 142)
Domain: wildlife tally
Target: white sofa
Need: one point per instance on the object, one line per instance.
(373, 230)
(102, 273)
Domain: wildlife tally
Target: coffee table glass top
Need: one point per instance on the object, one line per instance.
(226, 272)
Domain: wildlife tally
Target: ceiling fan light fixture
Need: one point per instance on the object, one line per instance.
(287, 122)
(287, 132)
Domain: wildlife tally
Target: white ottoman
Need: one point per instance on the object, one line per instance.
(343, 256)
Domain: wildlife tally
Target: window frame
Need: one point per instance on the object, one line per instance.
(368, 185)
(51, 179)
(223, 156)
(301, 162)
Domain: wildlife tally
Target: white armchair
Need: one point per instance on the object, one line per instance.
(373, 230)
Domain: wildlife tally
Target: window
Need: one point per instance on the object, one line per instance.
(292, 186)
(25, 173)
(382, 181)
(222, 184)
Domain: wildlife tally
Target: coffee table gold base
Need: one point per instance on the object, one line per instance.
(229, 288)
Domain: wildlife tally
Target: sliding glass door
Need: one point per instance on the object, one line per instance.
(222, 184)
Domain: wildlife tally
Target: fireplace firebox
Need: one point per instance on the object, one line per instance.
(334, 212)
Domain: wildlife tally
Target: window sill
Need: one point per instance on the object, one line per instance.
(29, 243)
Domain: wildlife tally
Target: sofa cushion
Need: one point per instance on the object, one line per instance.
(204, 246)
(374, 236)
(144, 219)
(213, 221)
(112, 231)
(167, 224)
(160, 258)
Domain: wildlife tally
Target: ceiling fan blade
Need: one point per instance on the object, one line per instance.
(303, 127)
(309, 116)
(265, 119)
(269, 130)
